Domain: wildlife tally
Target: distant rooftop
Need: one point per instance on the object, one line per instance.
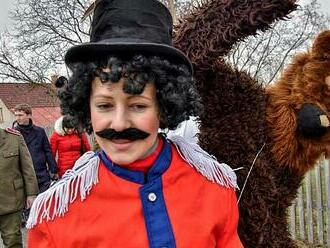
(36, 95)
(44, 103)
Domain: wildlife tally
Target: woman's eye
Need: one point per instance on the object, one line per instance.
(104, 106)
(138, 107)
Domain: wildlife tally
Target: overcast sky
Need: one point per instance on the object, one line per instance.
(7, 4)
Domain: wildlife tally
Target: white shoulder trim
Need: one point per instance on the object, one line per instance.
(55, 201)
(205, 163)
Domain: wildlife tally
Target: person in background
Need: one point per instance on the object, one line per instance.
(18, 185)
(142, 189)
(67, 143)
(37, 141)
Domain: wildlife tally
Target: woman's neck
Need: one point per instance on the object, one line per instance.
(146, 162)
(151, 149)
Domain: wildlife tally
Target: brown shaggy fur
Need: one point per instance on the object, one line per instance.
(304, 81)
(234, 126)
(216, 25)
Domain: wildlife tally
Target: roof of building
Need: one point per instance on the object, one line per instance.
(36, 95)
(45, 116)
(44, 103)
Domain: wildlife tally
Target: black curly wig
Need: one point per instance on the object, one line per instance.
(175, 88)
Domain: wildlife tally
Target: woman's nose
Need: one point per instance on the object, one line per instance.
(120, 120)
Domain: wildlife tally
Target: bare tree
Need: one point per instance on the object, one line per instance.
(265, 55)
(43, 30)
(172, 7)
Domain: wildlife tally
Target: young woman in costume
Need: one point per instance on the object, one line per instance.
(141, 189)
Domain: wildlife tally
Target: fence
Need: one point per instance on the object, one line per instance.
(310, 214)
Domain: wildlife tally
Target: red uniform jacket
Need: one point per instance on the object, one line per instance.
(68, 149)
(172, 205)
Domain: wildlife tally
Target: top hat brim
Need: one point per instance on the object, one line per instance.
(94, 51)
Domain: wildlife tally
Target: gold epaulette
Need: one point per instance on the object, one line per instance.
(12, 131)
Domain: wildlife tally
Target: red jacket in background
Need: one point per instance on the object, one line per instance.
(68, 149)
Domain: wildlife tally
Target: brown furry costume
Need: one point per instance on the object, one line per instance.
(234, 127)
(305, 81)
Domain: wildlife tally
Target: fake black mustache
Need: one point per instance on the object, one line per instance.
(131, 134)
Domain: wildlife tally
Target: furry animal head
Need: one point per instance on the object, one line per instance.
(305, 81)
(321, 46)
(316, 71)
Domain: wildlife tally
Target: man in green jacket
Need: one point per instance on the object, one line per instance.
(18, 185)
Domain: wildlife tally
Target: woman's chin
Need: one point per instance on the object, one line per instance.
(123, 161)
(125, 152)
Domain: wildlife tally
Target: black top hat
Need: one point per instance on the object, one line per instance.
(127, 27)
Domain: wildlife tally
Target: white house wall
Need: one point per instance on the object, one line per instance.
(8, 116)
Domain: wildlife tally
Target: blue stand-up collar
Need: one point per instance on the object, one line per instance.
(158, 168)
